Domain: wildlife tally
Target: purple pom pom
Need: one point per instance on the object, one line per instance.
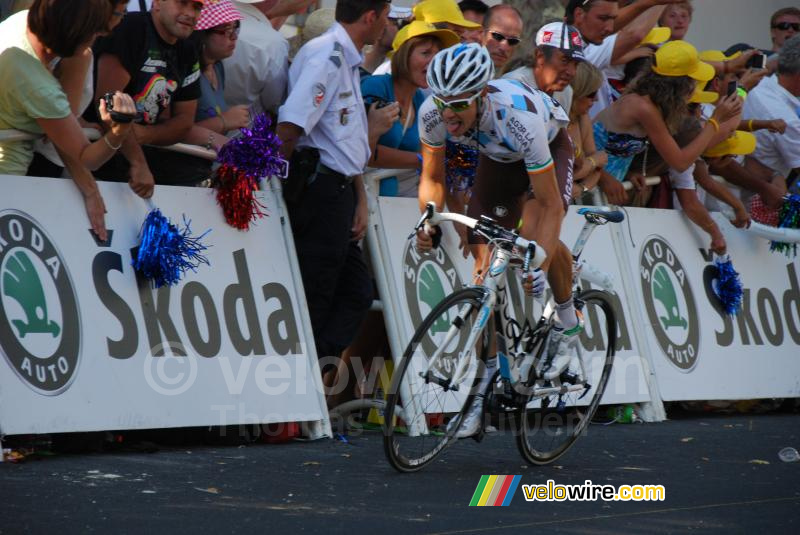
(255, 152)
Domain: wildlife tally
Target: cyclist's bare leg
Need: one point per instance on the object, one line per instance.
(559, 261)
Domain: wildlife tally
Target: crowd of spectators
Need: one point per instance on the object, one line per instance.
(346, 92)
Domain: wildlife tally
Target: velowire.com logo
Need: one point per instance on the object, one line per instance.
(495, 490)
(40, 333)
(670, 302)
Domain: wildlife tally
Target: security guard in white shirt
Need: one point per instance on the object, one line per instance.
(324, 130)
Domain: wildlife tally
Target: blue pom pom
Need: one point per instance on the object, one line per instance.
(166, 253)
(788, 217)
(728, 287)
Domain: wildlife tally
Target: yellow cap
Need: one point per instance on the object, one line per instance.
(656, 36)
(717, 55)
(417, 28)
(703, 97)
(434, 11)
(679, 58)
(739, 143)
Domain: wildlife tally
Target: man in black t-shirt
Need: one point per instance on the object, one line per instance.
(149, 57)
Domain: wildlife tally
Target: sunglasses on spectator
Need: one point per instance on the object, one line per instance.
(786, 25)
(457, 106)
(499, 37)
(230, 31)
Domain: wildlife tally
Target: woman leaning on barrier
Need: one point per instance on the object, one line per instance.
(413, 49)
(32, 100)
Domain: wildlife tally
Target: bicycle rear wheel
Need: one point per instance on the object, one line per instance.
(550, 422)
(422, 415)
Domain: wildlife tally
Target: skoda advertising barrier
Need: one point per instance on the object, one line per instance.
(424, 279)
(699, 352)
(86, 345)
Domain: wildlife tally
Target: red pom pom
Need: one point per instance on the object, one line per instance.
(762, 213)
(236, 194)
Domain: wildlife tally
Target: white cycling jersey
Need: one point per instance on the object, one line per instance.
(517, 123)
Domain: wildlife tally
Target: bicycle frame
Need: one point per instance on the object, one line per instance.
(515, 361)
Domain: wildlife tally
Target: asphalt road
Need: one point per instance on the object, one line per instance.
(721, 474)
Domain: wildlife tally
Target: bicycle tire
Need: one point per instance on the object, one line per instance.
(564, 424)
(407, 453)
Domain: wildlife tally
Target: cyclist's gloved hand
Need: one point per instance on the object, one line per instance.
(428, 238)
(534, 283)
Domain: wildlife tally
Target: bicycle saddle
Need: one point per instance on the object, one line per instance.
(612, 216)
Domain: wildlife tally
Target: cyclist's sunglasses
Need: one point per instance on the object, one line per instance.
(783, 26)
(499, 37)
(457, 106)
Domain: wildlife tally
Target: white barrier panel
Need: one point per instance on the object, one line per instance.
(699, 353)
(85, 346)
(422, 280)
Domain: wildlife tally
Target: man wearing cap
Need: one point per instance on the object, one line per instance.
(445, 15)
(501, 34)
(323, 127)
(559, 49)
(149, 56)
(778, 97)
(256, 74)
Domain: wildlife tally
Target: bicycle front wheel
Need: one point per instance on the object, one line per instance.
(559, 410)
(434, 382)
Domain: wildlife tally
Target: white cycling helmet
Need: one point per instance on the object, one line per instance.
(460, 69)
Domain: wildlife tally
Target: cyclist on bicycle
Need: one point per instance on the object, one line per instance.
(524, 170)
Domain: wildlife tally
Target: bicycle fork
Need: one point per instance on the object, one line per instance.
(462, 364)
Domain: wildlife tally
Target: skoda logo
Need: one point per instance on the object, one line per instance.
(39, 320)
(430, 277)
(670, 303)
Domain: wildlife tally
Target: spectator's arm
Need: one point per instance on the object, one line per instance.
(714, 188)
(112, 76)
(67, 136)
(87, 185)
(172, 130)
(612, 188)
(288, 133)
(698, 214)
(632, 34)
(72, 77)
(754, 178)
(676, 157)
(633, 10)
(204, 136)
(392, 158)
(284, 8)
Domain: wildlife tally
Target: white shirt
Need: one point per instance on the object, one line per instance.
(770, 100)
(256, 74)
(383, 68)
(517, 123)
(600, 56)
(325, 101)
(133, 5)
(525, 74)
